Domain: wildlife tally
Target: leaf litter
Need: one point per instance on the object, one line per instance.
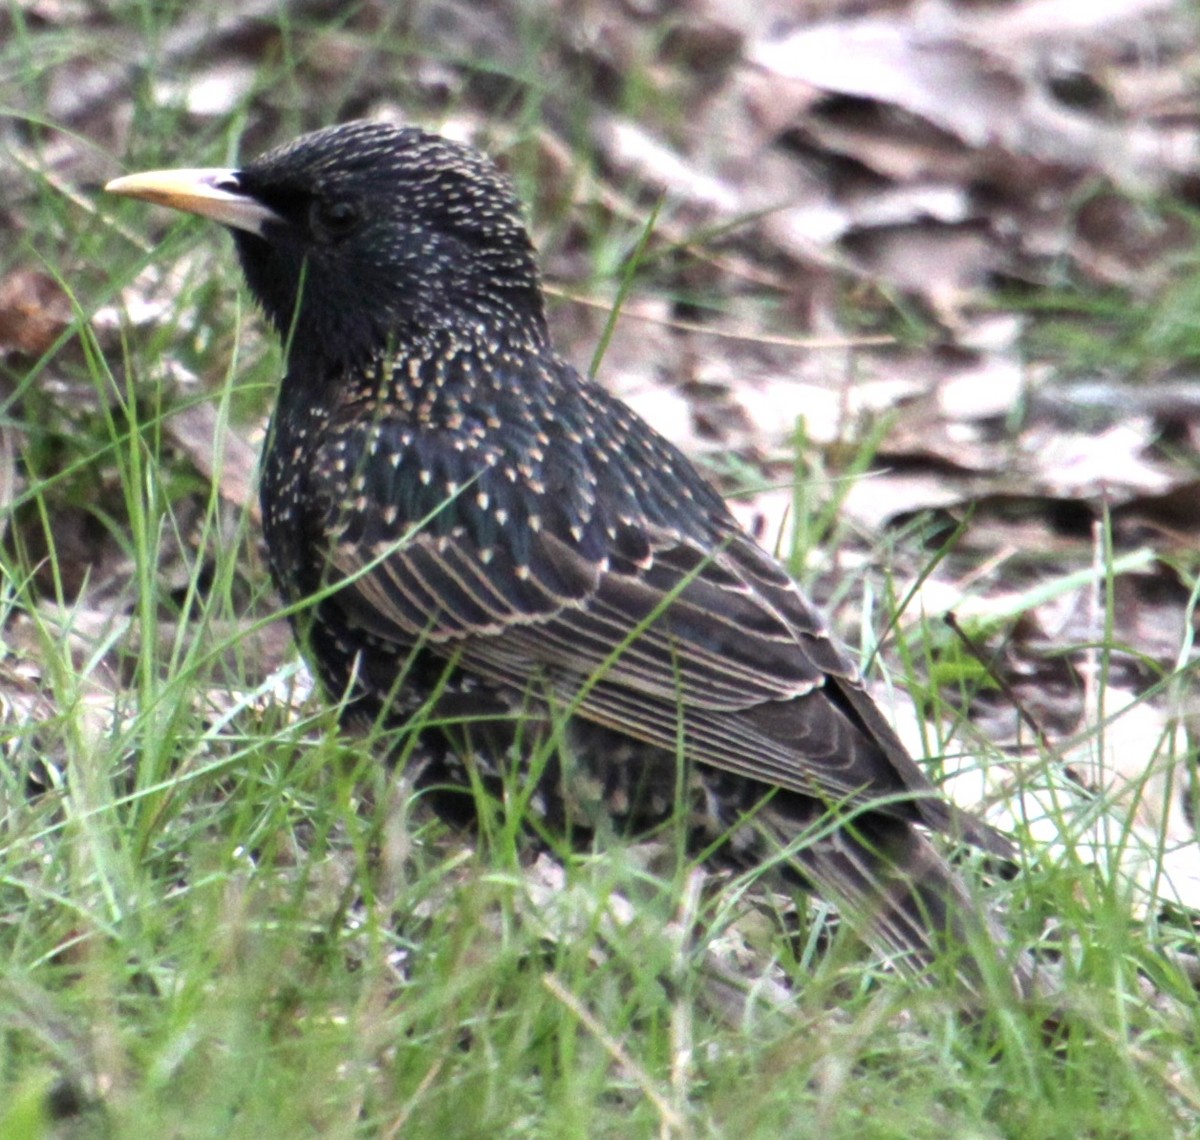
(935, 176)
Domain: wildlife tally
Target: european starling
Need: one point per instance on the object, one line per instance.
(493, 536)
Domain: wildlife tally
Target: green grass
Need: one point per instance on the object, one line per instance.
(1146, 335)
(225, 917)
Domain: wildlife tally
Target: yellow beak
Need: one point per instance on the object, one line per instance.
(211, 192)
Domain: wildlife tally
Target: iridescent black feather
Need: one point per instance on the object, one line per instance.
(478, 501)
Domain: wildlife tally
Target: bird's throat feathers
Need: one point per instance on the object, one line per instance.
(338, 309)
(326, 328)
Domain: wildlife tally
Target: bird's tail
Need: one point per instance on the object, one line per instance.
(902, 895)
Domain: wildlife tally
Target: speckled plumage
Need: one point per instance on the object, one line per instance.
(501, 531)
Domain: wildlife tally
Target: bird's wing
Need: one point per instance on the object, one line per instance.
(721, 641)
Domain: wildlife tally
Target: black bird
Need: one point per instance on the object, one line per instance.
(492, 533)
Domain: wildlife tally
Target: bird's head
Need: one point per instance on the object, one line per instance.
(358, 235)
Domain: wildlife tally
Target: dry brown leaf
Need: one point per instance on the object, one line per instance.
(218, 451)
(34, 311)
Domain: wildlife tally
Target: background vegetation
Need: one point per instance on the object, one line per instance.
(919, 294)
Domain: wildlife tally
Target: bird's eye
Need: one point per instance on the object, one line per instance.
(333, 219)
